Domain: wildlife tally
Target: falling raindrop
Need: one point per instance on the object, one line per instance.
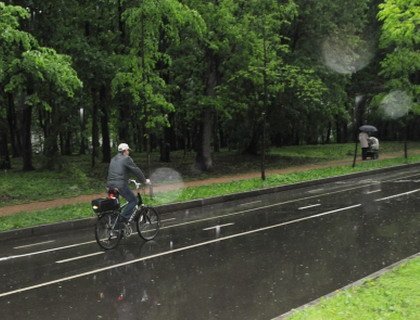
(170, 184)
(217, 231)
(346, 54)
(396, 104)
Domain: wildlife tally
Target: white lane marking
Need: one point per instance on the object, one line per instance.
(316, 190)
(310, 206)
(161, 254)
(248, 203)
(219, 226)
(169, 219)
(80, 257)
(398, 195)
(259, 208)
(374, 191)
(47, 250)
(206, 219)
(33, 244)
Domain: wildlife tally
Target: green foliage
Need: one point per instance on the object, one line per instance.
(400, 23)
(10, 16)
(147, 65)
(45, 66)
(400, 38)
(29, 65)
(154, 26)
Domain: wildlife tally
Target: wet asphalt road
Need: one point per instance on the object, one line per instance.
(250, 259)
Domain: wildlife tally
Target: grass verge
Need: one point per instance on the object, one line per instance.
(77, 211)
(76, 176)
(395, 295)
(53, 215)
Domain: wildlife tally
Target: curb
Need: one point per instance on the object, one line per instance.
(359, 282)
(89, 222)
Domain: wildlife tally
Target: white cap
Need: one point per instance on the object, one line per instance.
(123, 147)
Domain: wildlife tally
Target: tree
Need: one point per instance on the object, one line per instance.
(32, 72)
(153, 27)
(400, 40)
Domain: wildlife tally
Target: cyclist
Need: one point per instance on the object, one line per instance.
(120, 168)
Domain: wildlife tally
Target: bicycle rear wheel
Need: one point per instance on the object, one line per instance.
(148, 223)
(107, 233)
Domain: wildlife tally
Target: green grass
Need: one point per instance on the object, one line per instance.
(53, 215)
(276, 180)
(70, 212)
(336, 151)
(20, 187)
(77, 177)
(393, 296)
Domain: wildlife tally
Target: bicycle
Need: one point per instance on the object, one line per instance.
(110, 228)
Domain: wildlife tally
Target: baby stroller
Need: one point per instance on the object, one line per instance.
(373, 151)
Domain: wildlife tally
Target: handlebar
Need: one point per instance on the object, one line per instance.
(138, 184)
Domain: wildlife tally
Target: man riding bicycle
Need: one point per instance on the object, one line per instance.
(120, 168)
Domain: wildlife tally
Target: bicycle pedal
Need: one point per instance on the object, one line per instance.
(127, 231)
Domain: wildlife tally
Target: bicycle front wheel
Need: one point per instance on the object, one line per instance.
(107, 233)
(148, 223)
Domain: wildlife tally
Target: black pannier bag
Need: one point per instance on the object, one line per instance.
(103, 205)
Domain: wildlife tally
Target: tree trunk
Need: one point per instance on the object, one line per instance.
(95, 128)
(339, 137)
(13, 127)
(52, 128)
(106, 143)
(4, 151)
(67, 150)
(203, 158)
(83, 142)
(123, 127)
(26, 138)
(345, 133)
(216, 135)
(327, 138)
(252, 147)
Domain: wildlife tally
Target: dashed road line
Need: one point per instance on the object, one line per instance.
(398, 195)
(310, 206)
(373, 191)
(248, 203)
(219, 226)
(197, 245)
(80, 257)
(33, 244)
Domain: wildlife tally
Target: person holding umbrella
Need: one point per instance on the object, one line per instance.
(364, 138)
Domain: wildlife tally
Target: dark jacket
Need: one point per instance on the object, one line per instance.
(120, 170)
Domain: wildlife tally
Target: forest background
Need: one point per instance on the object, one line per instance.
(79, 77)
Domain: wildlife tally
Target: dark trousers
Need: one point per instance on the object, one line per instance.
(131, 199)
(364, 153)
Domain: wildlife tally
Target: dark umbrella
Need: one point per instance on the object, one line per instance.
(368, 128)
